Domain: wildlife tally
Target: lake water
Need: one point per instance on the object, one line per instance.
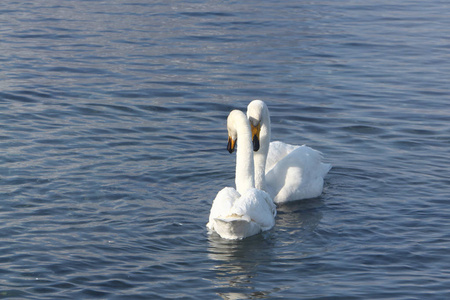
(113, 146)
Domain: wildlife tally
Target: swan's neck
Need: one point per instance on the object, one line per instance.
(244, 158)
(260, 156)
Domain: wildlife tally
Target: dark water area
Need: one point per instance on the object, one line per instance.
(113, 146)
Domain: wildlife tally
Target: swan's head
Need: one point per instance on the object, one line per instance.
(232, 126)
(255, 115)
(237, 121)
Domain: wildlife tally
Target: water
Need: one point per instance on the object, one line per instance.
(113, 142)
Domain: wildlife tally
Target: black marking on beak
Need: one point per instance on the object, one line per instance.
(231, 145)
(256, 129)
(255, 143)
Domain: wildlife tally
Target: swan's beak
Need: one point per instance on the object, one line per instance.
(255, 135)
(231, 144)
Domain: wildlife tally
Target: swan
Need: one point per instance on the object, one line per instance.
(287, 172)
(244, 211)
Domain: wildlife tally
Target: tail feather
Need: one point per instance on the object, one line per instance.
(236, 227)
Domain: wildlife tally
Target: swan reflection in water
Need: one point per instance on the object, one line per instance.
(244, 267)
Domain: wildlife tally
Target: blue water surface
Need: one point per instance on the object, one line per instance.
(113, 146)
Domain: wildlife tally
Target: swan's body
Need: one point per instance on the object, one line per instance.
(244, 211)
(287, 172)
(235, 217)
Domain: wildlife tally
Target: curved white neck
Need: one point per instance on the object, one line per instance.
(244, 156)
(260, 156)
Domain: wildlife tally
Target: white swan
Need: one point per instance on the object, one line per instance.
(244, 211)
(287, 172)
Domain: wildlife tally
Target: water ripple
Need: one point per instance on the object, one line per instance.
(113, 135)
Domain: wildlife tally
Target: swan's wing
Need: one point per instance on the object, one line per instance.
(311, 162)
(277, 151)
(258, 206)
(222, 204)
(299, 175)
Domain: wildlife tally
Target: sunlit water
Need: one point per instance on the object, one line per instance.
(113, 146)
